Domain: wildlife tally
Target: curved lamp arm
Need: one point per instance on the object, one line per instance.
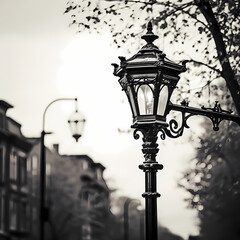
(215, 114)
(56, 100)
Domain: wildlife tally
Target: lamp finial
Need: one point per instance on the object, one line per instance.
(149, 27)
(149, 37)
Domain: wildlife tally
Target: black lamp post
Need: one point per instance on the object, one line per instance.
(76, 123)
(148, 79)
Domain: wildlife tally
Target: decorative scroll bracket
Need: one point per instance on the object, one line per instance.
(215, 114)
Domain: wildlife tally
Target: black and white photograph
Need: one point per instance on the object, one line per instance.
(119, 119)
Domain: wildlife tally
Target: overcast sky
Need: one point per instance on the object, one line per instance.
(42, 59)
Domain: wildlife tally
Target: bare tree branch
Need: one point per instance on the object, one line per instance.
(206, 65)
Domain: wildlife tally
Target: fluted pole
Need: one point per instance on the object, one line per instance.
(150, 167)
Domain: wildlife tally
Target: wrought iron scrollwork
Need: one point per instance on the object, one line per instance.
(150, 146)
(135, 134)
(174, 130)
(217, 108)
(215, 119)
(162, 134)
(215, 114)
(157, 130)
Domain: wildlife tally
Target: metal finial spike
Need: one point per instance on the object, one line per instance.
(149, 27)
(149, 37)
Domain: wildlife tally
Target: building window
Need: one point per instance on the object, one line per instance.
(34, 175)
(13, 214)
(84, 165)
(23, 216)
(48, 175)
(1, 120)
(13, 166)
(29, 171)
(86, 232)
(2, 165)
(99, 174)
(48, 169)
(34, 220)
(23, 171)
(85, 199)
(1, 211)
(34, 165)
(85, 196)
(34, 214)
(99, 200)
(28, 217)
(29, 164)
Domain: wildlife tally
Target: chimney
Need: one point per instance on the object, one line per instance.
(56, 147)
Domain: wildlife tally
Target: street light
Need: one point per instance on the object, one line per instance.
(126, 216)
(76, 123)
(148, 79)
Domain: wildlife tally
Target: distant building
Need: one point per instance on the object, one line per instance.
(14, 206)
(77, 195)
(93, 197)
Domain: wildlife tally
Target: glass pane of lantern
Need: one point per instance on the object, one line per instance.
(132, 102)
(76, 123)
(145, 100)
(162, 101)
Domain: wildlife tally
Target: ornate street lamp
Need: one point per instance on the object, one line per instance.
(148, 79)
(76, 123)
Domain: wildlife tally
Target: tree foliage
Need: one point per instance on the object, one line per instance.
(205, 32)
(214, 183)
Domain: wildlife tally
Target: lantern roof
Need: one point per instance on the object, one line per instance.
(149, 57)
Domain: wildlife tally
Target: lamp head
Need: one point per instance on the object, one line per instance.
(76, 123)
(148, 79)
